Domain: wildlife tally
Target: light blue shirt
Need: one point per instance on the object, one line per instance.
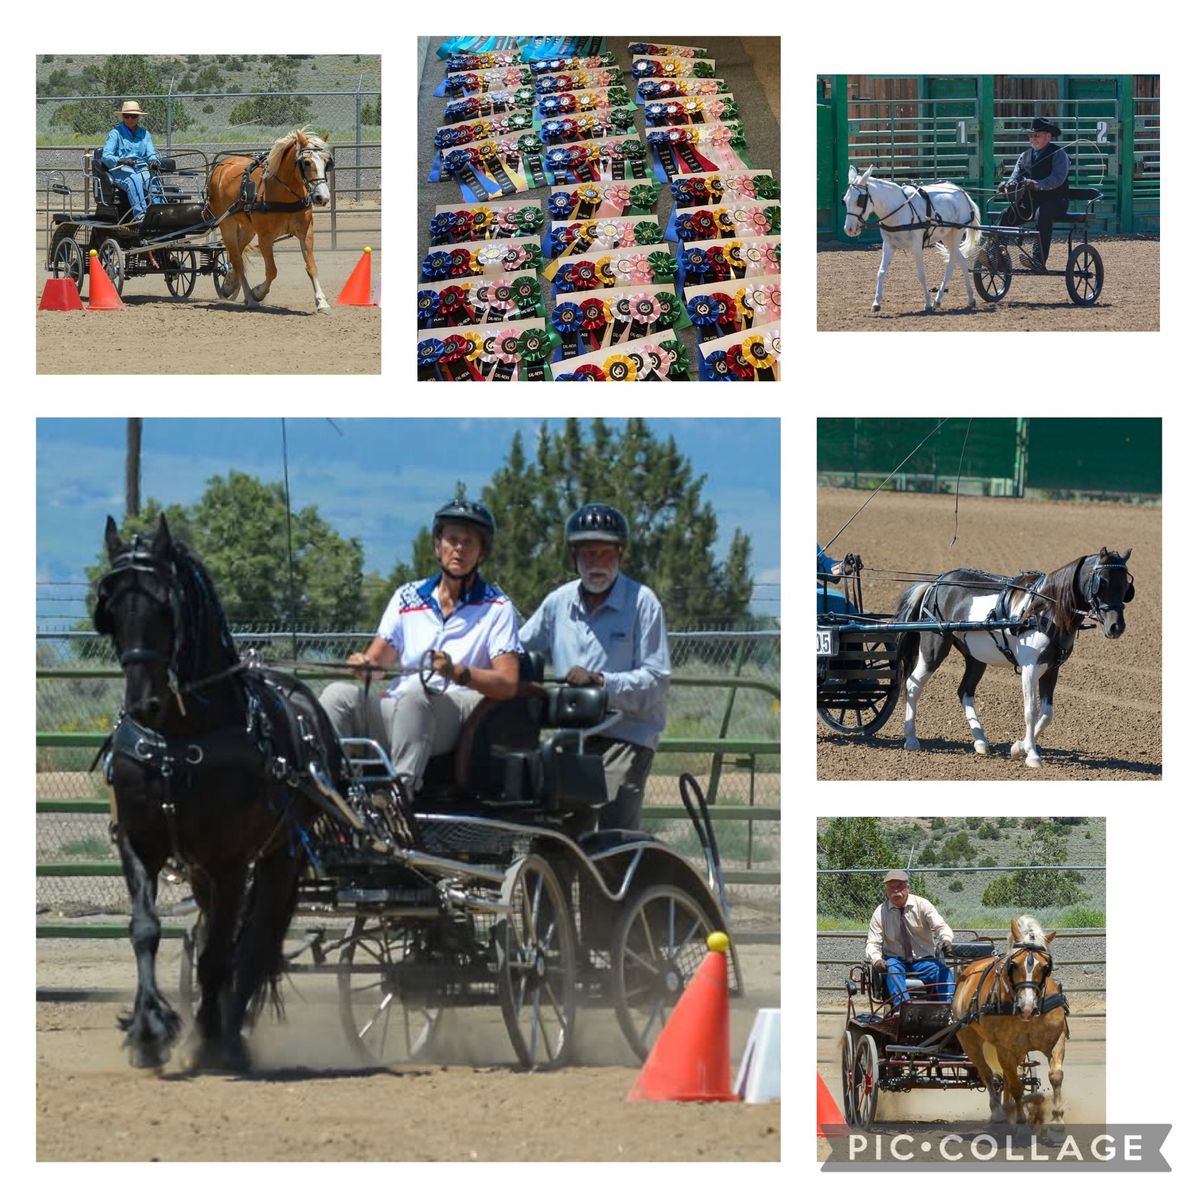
(624, 639)
(121, 143)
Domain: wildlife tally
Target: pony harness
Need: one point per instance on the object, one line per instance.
(248, 201)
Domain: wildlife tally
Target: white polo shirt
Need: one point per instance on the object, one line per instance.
(482, 626)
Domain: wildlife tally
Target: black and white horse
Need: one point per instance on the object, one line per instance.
(1096, 586)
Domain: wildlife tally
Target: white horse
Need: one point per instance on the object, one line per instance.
(914, 215)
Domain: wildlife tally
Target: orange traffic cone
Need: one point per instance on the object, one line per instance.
(357, 291)
(102, 296)
(830, 1122)
(690, 1060)
(60, 295)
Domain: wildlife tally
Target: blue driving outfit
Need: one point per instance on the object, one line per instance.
(135, 181)
(829, 599)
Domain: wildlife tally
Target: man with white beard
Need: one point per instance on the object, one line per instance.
(607, 630)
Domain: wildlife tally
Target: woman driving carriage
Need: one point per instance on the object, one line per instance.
(829, 600)
(129, 156)
(1042, 170)
(466, 625)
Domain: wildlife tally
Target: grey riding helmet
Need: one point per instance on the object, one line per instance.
(597, 523)
(466, 512)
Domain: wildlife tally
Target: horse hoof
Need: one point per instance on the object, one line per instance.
(1017, 750)
(1032, 760)
(325, 310)
(874, 308)
(982, 748)
(912, 743)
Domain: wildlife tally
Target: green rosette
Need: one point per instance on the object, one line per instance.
(729, 110)
(530, 143)
(766, 187)
(527, 292)
(674, 314)
(772, 214)
(679, 368)
(524, 97)
(647, 233)
(534, 347)
(530, 219)
(618, 97)
(633, 148)
(643, 197)
(701, 70)
(663, 264)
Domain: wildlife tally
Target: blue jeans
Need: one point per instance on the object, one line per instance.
(928, 970)
(138, 184)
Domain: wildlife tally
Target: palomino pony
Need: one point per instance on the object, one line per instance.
(1096, 586)
(1011, 1006)
(910, 218)
(218, 767)
(272, 197)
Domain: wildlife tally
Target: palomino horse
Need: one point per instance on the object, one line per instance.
(910, 218)
(272, 199)
(217, 766)
(1096, 586)
(1011, 1006)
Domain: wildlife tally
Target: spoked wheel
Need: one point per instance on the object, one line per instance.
(225, 279)
(658, 945)
(863, 696)
(67, 261)
(535, 950)
(385, 1026)
(849, 1108)
(179, 270)
(992, 272)
(112, 259)
(864, 1081)
(1085, 275)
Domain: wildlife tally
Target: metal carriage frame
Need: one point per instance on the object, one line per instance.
(175, 240)
(500, 890)
(908, 1045)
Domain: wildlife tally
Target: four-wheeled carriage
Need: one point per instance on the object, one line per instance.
(994, 269)
(500, 889)
(174, 239)
(902, 1045)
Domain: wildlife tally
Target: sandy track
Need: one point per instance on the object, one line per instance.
(1108, 711)
(846, 288)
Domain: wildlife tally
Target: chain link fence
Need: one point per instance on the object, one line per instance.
(79, 690)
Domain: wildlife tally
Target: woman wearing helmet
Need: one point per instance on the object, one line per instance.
(469, 625)
(606, 630)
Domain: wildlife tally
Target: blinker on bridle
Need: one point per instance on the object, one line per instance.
(1039, 989)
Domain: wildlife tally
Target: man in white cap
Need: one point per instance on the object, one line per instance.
(903, 937)
(130, 156)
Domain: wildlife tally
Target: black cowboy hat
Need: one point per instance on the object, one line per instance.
(1037, 125)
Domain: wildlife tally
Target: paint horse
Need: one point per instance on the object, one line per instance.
(272, 197)
(911, 218)
(1047, 612)
(1009, 1007)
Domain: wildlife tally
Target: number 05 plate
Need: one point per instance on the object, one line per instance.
(827, 643)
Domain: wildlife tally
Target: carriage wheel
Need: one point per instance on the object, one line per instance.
(992, 272)
(112, 259)
(658, 945)
(864, 1082)
(535, 951)
(869, 711)
(849, 1103)
(382, 1025)
(1085, 275)
(179, 270)
(67, 261)
(225, 279)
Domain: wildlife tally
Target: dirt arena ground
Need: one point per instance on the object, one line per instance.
(1084, 1081)
(1108, 703)
(205, 335)
(846, 288)
(310, 1098)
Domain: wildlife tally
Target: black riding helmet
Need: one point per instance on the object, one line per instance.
(597, 523)
(466, 512)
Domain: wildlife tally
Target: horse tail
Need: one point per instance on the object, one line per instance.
(971, 241)
(908, 643)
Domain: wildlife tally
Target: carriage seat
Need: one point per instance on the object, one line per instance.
(163, 218)
(109, 195)
(973, 950)
(1089, 195)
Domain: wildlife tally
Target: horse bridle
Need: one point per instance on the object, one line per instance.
(1091, 592)
(862, 214)
(309, 184)
(1039, 989)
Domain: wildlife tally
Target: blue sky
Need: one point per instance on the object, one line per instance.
(378, 480)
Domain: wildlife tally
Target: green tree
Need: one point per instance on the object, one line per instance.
(672, 527)
(122, 77)
(857, 842)
(239, 530)
(1045, 846)
(281, 107)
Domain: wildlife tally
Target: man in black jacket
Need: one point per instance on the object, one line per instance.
(1043, 169)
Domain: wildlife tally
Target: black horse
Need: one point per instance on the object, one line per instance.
(218, 767)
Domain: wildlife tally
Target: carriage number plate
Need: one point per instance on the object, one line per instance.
(826, 643)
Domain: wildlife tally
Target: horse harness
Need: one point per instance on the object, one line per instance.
(929, 223)
(248, 200)
(993, 1007)
(1095, 584)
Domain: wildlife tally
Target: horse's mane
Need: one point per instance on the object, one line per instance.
(202, 616)
(1058, 593)
(1031, 932)
(282, 144)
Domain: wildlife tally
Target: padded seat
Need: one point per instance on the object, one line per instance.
(161, 218)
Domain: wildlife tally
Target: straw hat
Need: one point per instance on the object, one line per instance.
(130, 106)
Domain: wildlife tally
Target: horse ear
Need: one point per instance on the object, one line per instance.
(1016, 931)
(1051, 936)
(851, 175)
(162, 537)
(112, 539)
(1127, 553)
(868, 170)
